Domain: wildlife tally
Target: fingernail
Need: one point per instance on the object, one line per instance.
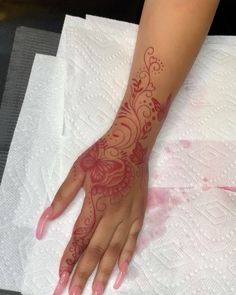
(98, 288)
(62, 283)
(42, 222)
(121, 275)
(76, 291)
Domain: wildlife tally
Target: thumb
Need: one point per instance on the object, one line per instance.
(64, 196)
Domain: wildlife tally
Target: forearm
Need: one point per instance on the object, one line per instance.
(170, 35)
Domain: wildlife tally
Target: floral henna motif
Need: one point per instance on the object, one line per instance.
(113, 161)
(81, 235)
(161, 110)
(138, 154)
(97, 165)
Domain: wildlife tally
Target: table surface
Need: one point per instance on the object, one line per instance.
(49, 15)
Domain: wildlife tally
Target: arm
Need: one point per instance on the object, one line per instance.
(169, 38)
(114, 171)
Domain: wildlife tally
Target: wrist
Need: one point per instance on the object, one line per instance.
(142, 121)
(128, 136)
(142, 110)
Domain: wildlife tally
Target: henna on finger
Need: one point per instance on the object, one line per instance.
(119, 159)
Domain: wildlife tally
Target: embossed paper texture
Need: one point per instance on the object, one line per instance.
(187, 245)
(192, 140)
(30, 162)
(184, 246)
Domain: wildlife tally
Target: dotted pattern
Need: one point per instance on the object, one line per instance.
(203, 163)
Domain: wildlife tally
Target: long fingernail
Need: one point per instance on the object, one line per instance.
(42, 222)
(76, 291)
(121, 275)
(62, 283)
(98, 288)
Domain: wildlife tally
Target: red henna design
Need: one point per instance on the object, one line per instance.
(138, 154)
(146, 129)
(81, 235)
(98, 167)
(161, 110)
(117, 184)
(139, 106)
(136, 87)
(114, 161)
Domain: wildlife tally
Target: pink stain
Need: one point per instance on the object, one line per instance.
(176, 200)
(206, 187)
(157, 196)
(142, 242)
(160, 202)
(185, 143)
(228, 188)
(168, 150)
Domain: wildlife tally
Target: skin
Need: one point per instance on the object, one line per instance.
(114, 171)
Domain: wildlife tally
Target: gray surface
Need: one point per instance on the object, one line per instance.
(3, 158)
(5, 292)
(27, 42)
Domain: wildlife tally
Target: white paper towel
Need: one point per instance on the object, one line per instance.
(29, 166)
(202, 113)
(200, 255)
(187, 246)
(174, 261)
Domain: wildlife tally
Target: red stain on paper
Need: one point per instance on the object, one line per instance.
(206, 186)
(185, 143)
(157, 196)
(228, 188)
(160, 202)
(168, 150)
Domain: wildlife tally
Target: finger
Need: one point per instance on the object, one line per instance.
(109, 258)
(63, 197)
(81, 234)
(128, 251)
(67, 191)
(93, 253)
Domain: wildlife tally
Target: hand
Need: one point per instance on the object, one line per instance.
(114, 175)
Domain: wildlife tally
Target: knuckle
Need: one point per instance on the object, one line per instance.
(75, 175)
(58, 197)
(134, 234)
(128, 253)
(136, 228)
(96, 250)
(139, 223)
(82, 275)
(115, 248)
(105, 271)
(61, 195)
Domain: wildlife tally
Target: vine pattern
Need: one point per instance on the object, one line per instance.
(111, 163)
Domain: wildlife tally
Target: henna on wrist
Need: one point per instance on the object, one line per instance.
(114, 161)
(141, 112)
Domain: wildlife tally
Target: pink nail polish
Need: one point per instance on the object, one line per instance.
(42, 222)
(98, 288)
(121, 275)
(76, 291)
(62, 283)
